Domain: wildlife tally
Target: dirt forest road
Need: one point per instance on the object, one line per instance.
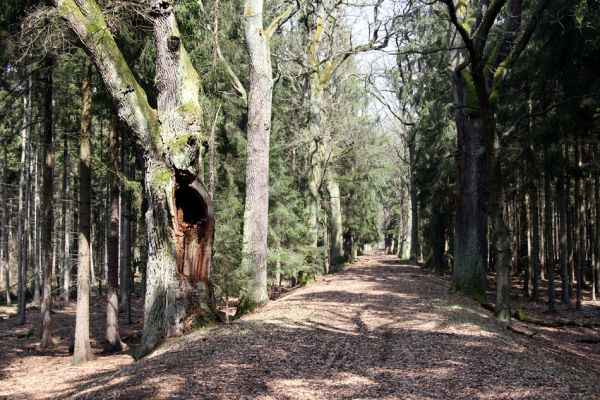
(377, 330)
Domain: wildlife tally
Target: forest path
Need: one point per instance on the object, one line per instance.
(380, 329)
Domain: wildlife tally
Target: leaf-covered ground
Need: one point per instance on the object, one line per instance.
(377, 330)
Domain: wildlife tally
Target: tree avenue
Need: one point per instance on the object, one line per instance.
(170, 166)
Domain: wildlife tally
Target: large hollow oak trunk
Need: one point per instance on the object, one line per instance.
(179, 218)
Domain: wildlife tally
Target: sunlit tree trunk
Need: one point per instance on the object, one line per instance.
(82, 349)
(256, 209)
(335, 222)
(414, 205)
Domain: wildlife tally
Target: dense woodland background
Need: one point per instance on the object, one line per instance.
(464, 137)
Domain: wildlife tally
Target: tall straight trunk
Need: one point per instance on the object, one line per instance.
(407, 232)
(34, 233)
(470, 249)
(414, 207)
(562, 233)
(48, 206)
(577, 232)
(112, 304)
(535, 234)
(256, 208)
(124, 248)
(66, 223)
(214, 110)
(316, 119)
(5, 228)
(569, 210)
(23, 224)
(596, 243)
(587, 215)
(548, 234)
(83, 351)
(582, 253)
(523, 261)
(335, 222)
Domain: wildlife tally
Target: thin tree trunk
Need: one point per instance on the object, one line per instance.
(112, 313)
(414, 207)
(82, 349)
(569, 210)
(48, 207)
(66, 222)
(125, 262)
(23, 235)
(35, 239)
(535, 234)
(335, 222)
(548, 235)
(596, 244)
(562, 233)
(523, 261)
(578, 231)
(256, 209)
(5, 227)
(213, 105)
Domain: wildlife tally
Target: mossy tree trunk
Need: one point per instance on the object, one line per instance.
(179, 218)
(480, 192)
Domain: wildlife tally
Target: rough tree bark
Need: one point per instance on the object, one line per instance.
(82, 351)
(476, 82)
(336, 252)
(48, 206)
(256, 208)
(180, 218)
(414, 204)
